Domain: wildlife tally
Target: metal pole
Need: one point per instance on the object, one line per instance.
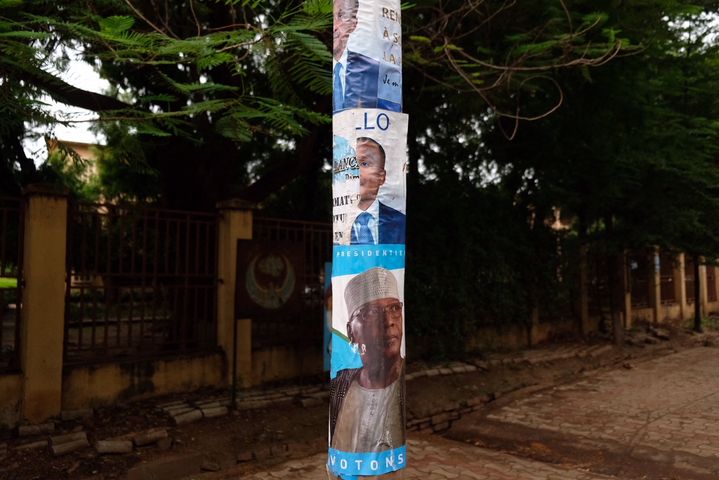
(233, 394)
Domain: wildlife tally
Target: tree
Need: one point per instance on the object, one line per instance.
(632, 153)
(198, 79)
(231, 99)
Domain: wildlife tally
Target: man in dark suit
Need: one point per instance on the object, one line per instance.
(356, 77)
(375, 223)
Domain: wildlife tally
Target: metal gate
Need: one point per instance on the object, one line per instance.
(141, 282)
(12, 225)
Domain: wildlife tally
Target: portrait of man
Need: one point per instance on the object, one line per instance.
(355, 76)
(367, 404)
(374, 222)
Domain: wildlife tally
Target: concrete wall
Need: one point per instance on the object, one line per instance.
(644, 315)
(515, 337)
(105, 384)
(283, 363)
(10, 398)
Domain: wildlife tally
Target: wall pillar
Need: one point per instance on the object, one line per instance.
(235, 224)
(703, 286)
(680, 286)
(43, 303)
(656, 286)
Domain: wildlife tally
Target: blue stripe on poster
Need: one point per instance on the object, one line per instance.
(354, 259)
(344, 355)
(374, 463)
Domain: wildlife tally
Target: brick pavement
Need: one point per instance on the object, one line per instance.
(668, 406)
(435, 458)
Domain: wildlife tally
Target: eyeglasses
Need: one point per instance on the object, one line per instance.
(373, 313)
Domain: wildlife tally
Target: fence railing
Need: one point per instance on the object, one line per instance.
(140, 281)
(711, 283)
(641, 265)
(314, 240)
(667, 285)
(11, 254)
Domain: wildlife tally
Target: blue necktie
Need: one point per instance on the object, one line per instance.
(338, 101)
(365, 234)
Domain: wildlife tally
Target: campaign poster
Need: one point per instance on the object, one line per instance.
(369, 186)
(367, 395)
(367, 434)
(367, 55)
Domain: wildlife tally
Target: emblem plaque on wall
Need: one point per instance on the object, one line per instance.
(269, 277)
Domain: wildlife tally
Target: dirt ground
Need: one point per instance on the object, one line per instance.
(251, 440)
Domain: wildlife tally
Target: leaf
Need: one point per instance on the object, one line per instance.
(595, 18)
(420, 39)
(536, 48)
(611, 34)
(116, 24)
(148, 129)
(213, 60)
(10, 3)
(27, 35)
(234, 128)
(317, 7)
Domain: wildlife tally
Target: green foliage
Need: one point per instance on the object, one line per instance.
(74, 172)
(123, 172)
(116, 24)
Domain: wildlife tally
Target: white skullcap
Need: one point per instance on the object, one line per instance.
(374, 284)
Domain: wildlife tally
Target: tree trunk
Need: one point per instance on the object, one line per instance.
(583, 291)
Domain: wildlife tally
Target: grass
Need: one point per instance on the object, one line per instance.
(8, 282)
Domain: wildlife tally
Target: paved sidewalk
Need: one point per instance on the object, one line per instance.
(434, 458)
(663, 412)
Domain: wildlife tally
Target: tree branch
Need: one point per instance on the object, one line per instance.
(63, 92)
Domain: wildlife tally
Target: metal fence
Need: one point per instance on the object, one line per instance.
(711, 283)
(641, 269)
(689, 278)
(304, 324)
(11, 254)
(140, 282)
(667, 264)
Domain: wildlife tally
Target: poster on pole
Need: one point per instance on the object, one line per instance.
(367, 395)
(367, 55)
(367, 433)
(369, 168)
